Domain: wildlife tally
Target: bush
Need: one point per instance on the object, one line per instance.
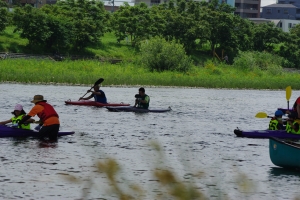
(263, 61)
(157, 54)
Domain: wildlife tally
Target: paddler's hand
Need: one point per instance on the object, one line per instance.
(15, 126)
(37, 128)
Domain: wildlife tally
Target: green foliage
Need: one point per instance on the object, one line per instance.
(266, 35)
(4, 16)
(134, 22)
(87, 20)
(32, 23)
(157, 54)
(82, 72)
(263, 61)
(65, 25)
(290, 49)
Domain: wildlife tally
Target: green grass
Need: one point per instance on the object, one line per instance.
(86, 72)
(11, 42)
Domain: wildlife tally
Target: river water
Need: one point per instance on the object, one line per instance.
(196, 136)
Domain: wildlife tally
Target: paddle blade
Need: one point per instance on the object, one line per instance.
(99, 81)
(288, 92)
(261, 115)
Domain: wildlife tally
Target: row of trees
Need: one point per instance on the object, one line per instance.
(76, 24)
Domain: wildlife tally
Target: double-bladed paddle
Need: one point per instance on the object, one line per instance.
(262, 115)
(288, 94)
(96, 83)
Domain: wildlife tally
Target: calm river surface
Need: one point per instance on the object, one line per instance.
(196, 136)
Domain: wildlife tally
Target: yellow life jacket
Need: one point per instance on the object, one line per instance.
(15, 120)
(289, 128)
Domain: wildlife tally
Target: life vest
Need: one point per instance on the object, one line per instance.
(100, 98)
(288, 128)
(47, 112)
(15, 120)
(144, 105)
(295, 105)
(273, 124)
(294, 123)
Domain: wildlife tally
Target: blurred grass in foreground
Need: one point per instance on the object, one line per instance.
(168, 182)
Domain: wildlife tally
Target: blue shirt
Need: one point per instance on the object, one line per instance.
(100, 98)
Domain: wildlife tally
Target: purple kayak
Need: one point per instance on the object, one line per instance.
(265, 134)
(6, 131)
(284, 109)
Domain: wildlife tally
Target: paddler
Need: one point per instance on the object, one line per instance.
(98, 95)
(142, 100)
(293, 124)
(18, 113)
(276, 121)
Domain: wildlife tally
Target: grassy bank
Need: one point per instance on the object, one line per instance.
(87, 72)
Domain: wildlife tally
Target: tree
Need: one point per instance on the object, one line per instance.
(133, 21)
(87, 20)
(3, 16)
(184, 23)
(266, 35)
(32, 23)
(67, 24)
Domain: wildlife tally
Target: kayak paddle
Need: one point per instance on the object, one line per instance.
(288, 94)
(262, 115)
(96, 83)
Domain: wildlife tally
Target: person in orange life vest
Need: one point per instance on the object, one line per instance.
(49, 126)
(276, 121)
(18, 113)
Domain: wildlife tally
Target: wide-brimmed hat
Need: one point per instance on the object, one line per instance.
(38, 98)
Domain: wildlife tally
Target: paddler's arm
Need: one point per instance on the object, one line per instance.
(87, 98)
(22, 121)
(5, 122)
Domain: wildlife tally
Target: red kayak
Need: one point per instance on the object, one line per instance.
(94, 103)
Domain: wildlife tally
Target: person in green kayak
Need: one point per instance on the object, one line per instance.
(276, 121)
(18, 113)
(142, 100)
(293, 124)
(98, 95)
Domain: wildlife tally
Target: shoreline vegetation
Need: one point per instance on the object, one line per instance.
(85, 72)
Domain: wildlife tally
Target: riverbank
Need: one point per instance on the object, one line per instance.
(86, 72)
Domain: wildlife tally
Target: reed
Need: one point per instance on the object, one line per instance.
(128, 74)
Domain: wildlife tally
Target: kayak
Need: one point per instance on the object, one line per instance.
(6, 131)
(265, 134)
(137, 110)
(93, 103)
(284, 109)
(284, 153)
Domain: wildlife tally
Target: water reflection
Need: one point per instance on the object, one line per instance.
(278, 172)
